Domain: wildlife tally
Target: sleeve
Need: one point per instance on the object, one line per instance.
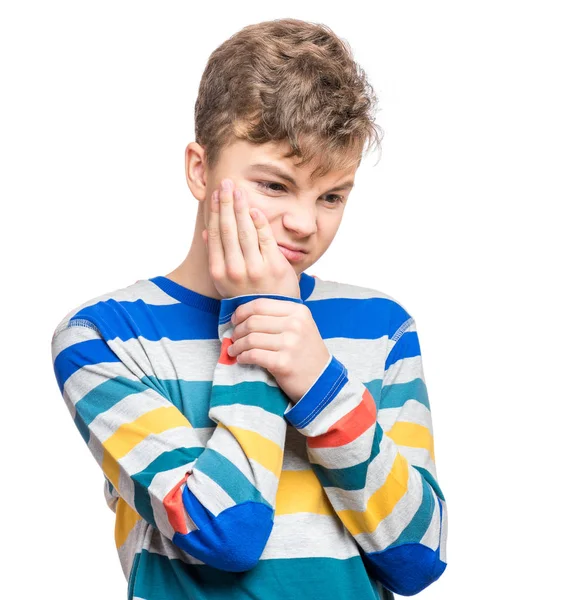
(375, 461)
(214, 500)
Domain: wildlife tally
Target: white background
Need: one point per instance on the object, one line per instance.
(467, 219)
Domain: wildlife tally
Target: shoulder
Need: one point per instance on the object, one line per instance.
(379, 304)
(108, 307)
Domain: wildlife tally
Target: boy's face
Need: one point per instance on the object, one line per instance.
(302, 213)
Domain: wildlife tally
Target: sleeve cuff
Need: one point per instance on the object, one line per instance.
(318, 396)
(229, 305)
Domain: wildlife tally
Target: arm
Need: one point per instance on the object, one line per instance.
(216, 500)
(377, 464)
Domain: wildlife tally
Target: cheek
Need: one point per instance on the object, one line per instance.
(254, 200)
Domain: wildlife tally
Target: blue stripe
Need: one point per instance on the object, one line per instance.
(357, 318)
(407, 569)
(232, 541)
(79, 355)
(369, 318)
(127, 320)
(319, 396)
(229, 305)
(406, 347)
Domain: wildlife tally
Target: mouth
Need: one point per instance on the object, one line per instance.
(291, 255)
(294, 248)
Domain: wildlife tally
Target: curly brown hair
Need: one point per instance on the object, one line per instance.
(287, 80)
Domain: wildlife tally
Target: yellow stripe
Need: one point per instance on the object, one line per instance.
(128, 435)
(261, 449)
(110, 468)
(126, 519)
(381, 503)
(412, 434)
(301, 491)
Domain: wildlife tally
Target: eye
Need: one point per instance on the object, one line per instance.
(267, 185)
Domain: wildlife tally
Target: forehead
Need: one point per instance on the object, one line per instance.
(269, 158)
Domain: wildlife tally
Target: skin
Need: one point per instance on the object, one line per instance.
(305, 215)
(281, 336)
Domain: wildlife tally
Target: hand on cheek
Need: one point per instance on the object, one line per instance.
(243, 254)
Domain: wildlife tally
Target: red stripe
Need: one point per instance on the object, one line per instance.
(173, 503)
(350, 426)
(224, 358)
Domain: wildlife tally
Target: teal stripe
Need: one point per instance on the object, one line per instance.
(221, 470)
(191, 398)
(159, 578)
(430, 479)
(396, 395)
(170, 459)
(104, 396)
(251, 393)
(374, 387)
(349, 478)
(133, 573)
(417, 527)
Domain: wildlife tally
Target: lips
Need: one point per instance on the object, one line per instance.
(291, 255)
(294, 248)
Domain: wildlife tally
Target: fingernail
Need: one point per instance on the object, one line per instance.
(226, 185)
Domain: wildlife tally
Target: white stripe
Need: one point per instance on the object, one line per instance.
(159, 487)
(444, 533)
(155, 444)
(412, 411)
(431, 538)
(347, 455)
(377, 473)
(347, 399)
(403, 370)
(131, 545)
(253, 418)
(126, 410)
(292, 537)
(262, 478)
(391, 527)
(209, 493)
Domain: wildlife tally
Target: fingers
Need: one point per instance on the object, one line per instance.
(228, 228)
(238, 243)
(267, 242)
(213, 239)
(247, 233)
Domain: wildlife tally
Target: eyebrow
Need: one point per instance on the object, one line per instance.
(274, 170)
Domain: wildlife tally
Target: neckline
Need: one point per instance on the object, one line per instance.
(213, 305)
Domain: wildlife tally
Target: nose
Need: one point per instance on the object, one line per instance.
(301, 220)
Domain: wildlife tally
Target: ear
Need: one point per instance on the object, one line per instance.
(195, 170)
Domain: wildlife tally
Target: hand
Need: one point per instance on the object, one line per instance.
(282, 337)
(243, 254)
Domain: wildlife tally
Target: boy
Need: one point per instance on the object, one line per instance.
(263, 433)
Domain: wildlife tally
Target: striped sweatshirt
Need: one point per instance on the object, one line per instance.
(222, 487)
